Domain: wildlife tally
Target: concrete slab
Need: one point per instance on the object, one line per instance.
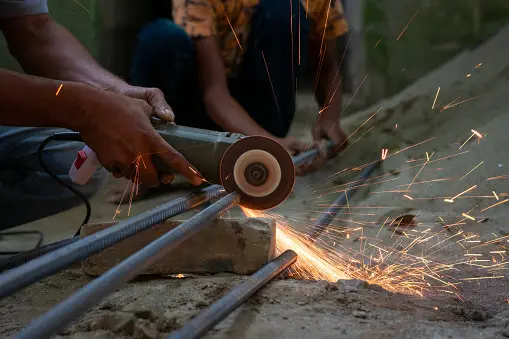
(239, 246)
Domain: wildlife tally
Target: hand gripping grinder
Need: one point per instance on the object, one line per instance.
(256, 167)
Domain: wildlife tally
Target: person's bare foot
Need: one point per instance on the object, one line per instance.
(121, 192)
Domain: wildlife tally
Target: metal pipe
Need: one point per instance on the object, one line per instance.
(64, 313)
(340, 201)
(207, 319)
(22, 276)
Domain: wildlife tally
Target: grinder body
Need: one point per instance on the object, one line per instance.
(256, 167)
(203, 148)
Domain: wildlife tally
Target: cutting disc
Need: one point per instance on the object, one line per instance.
(260, 170)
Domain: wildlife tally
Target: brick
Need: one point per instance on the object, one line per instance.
(227, 245)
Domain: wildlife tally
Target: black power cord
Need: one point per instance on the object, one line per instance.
(64, 136)
(37, 250)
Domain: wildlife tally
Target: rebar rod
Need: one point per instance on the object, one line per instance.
(51, 263)
(24, 257)
(64, 313)
(207, 319)
(331, 212)
(304, 157)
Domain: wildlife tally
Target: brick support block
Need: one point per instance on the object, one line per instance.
(227, 245)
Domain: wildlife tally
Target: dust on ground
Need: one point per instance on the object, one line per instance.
(303, 309)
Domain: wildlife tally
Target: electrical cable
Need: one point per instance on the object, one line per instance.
(64, 136)
(37, 250)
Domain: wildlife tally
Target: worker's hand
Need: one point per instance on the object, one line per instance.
(154, 97)
(117, 127)
(293, 145)
(328, 127)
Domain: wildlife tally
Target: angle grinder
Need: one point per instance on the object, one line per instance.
(258, 168)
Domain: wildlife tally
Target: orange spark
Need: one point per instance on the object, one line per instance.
(469, 75)
(404, 29)
(82, 6)
(436, 96)
(384, 153)
(482, 278)
(377, 43)
(496, 204)
(498, 177)
(229, 23)
(272, 86)
(59, 88)
(408, 197)
(495, 194)
(479, 135)
(468, 190)
(468, 216)
(472, 170)
(478, 65)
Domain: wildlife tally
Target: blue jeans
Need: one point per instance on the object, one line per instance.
(165, 58)
(27, 193)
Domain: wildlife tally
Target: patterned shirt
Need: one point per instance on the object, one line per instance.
(229, 21)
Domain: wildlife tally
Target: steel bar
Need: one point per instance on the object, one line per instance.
(64, 313)
(341, 201)
(304, 157)
(22, 276)
(207, 319)
(24, 257)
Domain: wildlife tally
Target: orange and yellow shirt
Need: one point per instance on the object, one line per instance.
(229, 21)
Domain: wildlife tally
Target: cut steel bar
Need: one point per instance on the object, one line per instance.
(304, 157)
(207, 319)
(22, 276)
(64, 313)
(341, 201)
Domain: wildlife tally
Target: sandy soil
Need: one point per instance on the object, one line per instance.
(409, 128)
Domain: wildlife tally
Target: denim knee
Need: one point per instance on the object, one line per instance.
(166, 38)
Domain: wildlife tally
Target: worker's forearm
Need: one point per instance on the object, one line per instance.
(54, 52)
(231, 116)
(32, 101)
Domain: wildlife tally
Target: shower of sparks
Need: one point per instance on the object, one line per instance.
(408, 24)
(472, 170)
(59, 88)
(436, 96)
(496, 204)
(134, 184)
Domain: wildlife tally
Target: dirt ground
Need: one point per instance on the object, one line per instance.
(429, 160)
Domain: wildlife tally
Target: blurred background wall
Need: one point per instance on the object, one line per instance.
(439, 31)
